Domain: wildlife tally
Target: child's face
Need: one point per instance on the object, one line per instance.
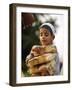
(45, 37)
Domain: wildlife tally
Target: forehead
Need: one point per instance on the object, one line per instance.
(44, 30)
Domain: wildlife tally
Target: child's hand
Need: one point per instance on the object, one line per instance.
(43, 70)
(37, 50)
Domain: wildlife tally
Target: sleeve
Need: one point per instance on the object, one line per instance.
(29, 57)
(57, 65)
(51, 67)
(54, 66)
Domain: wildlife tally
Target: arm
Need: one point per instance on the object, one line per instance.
(49, 68)
(33, 53)
(29, 57)
(54, 66)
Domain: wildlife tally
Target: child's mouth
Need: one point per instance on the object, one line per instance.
(43, 40)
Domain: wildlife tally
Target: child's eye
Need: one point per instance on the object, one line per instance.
(41, 34)
(46, 35)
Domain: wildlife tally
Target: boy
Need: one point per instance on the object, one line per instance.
(43, 60)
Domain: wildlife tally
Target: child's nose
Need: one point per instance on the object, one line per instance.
(43, 37)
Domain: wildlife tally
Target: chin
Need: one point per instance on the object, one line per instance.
(44, 44)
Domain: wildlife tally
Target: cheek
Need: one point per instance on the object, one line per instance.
(40, 38)
(49, 39)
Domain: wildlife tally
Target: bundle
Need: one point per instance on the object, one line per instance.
(48, 59)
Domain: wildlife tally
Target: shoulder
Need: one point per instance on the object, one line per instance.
(51, 48)
(54, 46)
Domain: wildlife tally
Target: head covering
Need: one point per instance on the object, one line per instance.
(49, 25)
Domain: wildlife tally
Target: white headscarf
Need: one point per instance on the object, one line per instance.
(50, 25)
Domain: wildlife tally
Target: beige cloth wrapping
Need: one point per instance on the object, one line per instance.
(48, 59)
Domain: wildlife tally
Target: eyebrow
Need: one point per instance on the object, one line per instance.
(44, 32)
